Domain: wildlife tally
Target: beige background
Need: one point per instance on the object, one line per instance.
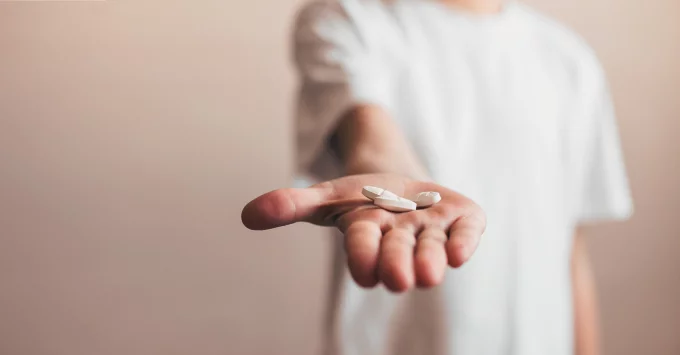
(131, 132)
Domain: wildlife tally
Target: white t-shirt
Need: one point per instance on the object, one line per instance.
(510, 109)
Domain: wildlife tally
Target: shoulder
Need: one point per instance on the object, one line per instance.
(566, 47)
(312, 12)
(361, 15)
(353, 30)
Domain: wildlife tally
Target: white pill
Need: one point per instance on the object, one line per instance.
(426, 199)
(387, 194)
(372, 192)
(399, 204)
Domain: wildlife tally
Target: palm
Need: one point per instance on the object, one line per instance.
(398, 249)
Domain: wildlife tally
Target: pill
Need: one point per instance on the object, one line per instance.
(387, 194)
(399, 204)
(372, 192)
(426, 199)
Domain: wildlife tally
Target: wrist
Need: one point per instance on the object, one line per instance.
(384, 166)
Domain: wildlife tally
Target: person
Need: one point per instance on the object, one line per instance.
(503, 111)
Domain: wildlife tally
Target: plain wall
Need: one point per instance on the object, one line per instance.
(132, 132)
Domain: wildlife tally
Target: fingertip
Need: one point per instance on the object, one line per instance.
(249, 215)
(273, 209)
(457, 254)
(396, 281)
(246, 219)
(427, 273)
(362, 266)
(464, 237)
(364, 281)
(396, 287)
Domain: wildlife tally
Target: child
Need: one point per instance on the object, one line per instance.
(481, 98)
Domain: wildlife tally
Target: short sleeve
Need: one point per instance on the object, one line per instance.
(339, 65)
(605, 193)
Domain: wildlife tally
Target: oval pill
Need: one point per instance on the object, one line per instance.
(426, 199)
(372, 192)
(387, 194)
(399, 204)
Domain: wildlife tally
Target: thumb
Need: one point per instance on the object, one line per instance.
(283, 207)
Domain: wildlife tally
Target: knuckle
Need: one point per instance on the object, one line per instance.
(433, 234)
(476, 216)
(410, 222)
(400, 236)
(356, 227)
(376, 214)
(452, 210)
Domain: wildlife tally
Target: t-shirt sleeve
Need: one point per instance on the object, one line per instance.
(605, 193)
(338, 66)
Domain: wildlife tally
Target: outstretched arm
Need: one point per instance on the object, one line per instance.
(399, 250)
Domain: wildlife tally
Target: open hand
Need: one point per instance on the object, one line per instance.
(401, 250)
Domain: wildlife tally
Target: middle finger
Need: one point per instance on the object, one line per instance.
(395, 266)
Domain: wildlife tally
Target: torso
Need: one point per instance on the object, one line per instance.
(488, 105)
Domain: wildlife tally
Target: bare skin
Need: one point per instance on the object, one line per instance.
(399, 250)
(586, 320)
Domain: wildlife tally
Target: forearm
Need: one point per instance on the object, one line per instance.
(368, 141)
(586, 320)
(369, 161)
